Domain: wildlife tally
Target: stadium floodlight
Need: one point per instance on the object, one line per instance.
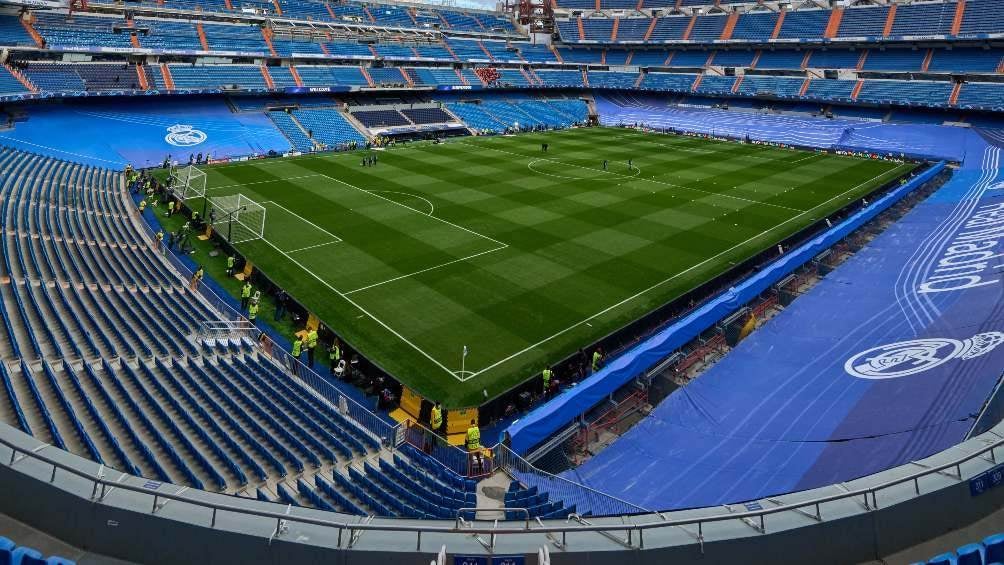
(237, 216)
(189, 182)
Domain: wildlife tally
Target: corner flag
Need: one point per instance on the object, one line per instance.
(465, 351)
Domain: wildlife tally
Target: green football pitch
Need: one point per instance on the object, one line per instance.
(520, 255)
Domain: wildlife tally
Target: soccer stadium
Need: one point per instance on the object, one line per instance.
(521, 283)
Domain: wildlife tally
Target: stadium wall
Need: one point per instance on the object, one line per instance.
(129, 518)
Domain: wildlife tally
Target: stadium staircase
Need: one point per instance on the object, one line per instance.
(27, 21)
(21, 78)
(101, 358)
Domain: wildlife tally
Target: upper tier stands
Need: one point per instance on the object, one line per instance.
(351, 11)
(100, 358)
(917, 19)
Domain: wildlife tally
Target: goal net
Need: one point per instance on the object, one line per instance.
(237, 217)
(189, 182)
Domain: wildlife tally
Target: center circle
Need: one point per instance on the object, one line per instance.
(568, 171)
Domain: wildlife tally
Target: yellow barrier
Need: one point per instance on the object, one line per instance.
(457, 421)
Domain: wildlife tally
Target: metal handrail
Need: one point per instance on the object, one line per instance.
(662, 522)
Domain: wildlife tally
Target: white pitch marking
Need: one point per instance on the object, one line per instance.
(806, 158)
(664, 281)
(652, 180)
(426, 270)
(363, 310)
(447, 222)
(426, 200)
(311, 247)
(288, 211)
(261, 182)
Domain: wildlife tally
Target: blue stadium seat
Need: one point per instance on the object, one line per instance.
(971, 554)
(994, 545)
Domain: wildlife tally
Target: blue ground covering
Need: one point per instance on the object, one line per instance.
(113, 133)
(808, 400)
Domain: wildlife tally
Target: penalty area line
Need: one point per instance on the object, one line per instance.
(427, 269)
(341, 294)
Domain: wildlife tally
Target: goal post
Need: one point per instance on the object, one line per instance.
(189, 182)
(236, 217)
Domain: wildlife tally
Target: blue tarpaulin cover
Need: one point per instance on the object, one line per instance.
(888, 360)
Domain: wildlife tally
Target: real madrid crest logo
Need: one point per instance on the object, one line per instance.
(916, 356)
(184, 136)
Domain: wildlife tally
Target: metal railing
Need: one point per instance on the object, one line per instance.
(867, 497)
(570, 493)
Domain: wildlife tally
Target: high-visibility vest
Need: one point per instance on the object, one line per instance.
(160, 236)
(335, 353)
(252, 311)
(473, 438)
(297, 347)
(596, 360)
(246, 291)
(230, 262)
(199, 274)
(170, 205)
(312, 339)
(436, 419)
(547, 377)
(142, 205)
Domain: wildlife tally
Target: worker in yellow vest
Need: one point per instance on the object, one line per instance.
(230, 265)
(311, 346)
(436, 419)
(245, 295)
(253, 312)
(334, 356)
(474, 443)
(597, 359)
(546, 375)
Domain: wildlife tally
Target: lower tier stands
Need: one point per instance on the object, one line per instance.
(99, 358)
(64, 77)
(989, 551)
(14, 554)
(9, 84)
(328, 127)
(498, 115)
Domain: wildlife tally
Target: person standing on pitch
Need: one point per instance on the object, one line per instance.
(245, 295)
(436, 419)
(295, 352)
(597, 359)
(334, 356)
(546, 375)
(253, 313)
(311, 346)
(280, 304)
(231, 261)
(197, 277)
(474, 442)
(604, 164)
